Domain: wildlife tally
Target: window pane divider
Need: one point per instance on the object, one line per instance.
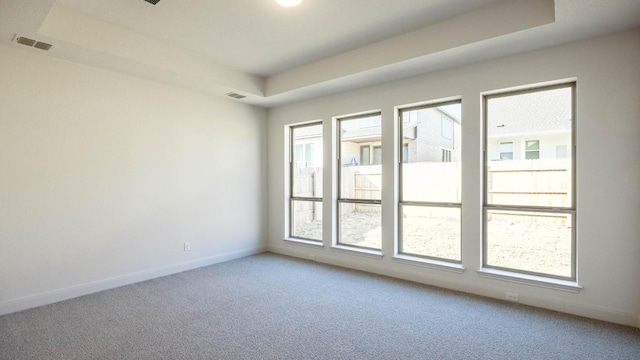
(361, 201)
(431, 204)
(301, 198)
(563, 210)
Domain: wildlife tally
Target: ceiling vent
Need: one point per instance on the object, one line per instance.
(152, 2)
(235, 96)
(33, 43)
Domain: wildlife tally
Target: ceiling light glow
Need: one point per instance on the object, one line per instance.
(289, 3)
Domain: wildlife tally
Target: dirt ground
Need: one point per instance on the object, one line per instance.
(529, 246)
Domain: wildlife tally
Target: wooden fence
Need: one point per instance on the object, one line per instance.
(308, 183)
(543, 182)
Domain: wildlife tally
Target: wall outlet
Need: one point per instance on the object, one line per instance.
(312, 257)
(511, 296)
(187, 246)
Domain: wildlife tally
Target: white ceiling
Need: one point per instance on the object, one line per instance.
(261, 38)
(276, 55)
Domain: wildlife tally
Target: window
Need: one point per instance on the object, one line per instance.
(304, 155)
(377, 155)
(529, 207)
(447, 128)
(405, 153)
(446, 155)
(365, 158)
(359, 197)
(506, 151)
(532, 149)
(430, 183)
(305, 205)
(561, 151)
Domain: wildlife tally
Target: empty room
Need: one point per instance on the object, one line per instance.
(319, 179)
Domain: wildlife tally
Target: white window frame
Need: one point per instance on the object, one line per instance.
(342, 200)
(571, 210)
(441, 263)
(292, 197)
(527, 151)
(505, 152)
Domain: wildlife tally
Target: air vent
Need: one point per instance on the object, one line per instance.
(42, 46)
(152, 2)
(25, 41)
(33, 43)
(235, 96)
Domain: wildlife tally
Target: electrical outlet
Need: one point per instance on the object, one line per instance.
(187, 246)
(312, 257)
(512, 297)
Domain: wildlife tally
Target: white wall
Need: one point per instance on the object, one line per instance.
(103, 176)
(608, 171)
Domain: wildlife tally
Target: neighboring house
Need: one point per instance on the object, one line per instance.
(308, 147)
(361, 144)
(430, 135)
(529, 129)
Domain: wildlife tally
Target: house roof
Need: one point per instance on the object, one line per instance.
(533, 112)
(312, 131)
(367, 133)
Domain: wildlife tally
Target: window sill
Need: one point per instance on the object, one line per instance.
(433, 264)
(540, 281)
(374, 254)
(304, 242)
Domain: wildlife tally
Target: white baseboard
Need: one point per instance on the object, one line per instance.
(50, 297)
(559, 304)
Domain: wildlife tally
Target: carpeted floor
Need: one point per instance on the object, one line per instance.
(273, 307)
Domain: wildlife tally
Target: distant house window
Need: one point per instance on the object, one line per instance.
(447, 128)
(304, 155)
(532, 150)
(405, 153)
(506, 151)
(365, 152)
(411, 117)
(446, 155)
(309, 155)
(561, 152)
(377, 155)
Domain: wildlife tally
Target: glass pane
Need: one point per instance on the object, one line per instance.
(533, 145)
(359, 179)
(561, 151)
(528, 129)
(431, 231)
(377, 155)
(432, 171)
(306, 174)
(532, 242)
(364, 155)
(309, 154)
(306, 219)
(360, 225)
